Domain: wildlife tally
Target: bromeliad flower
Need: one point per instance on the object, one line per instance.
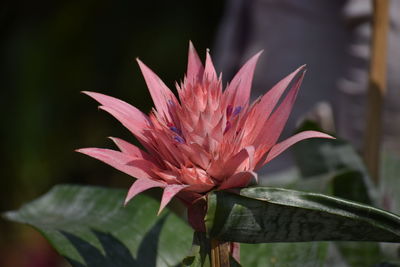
(207, 138)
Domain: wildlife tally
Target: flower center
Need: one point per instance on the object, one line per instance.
(178, 138)
(230, 111)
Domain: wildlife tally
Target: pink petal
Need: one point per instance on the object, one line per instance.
(169, 192)
(219, 170)
(129, 111)
(195, 68)
(141, 185)
(132, 150)
(240, 179)
(270, 99)
(120, 161)
(160, 93)
(130, 124)
(197, 154)
(233, 164)
(209, 72)
(282, 146)
(242, 83)
(188, 197)
(167, 176)
(201, 187)
(250, 152)
(273, 127)
(167, 149)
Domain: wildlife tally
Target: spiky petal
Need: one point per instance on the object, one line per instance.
(207, 138)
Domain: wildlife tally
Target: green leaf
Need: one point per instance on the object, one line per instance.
(342, 171)
(200, 253)
(321, 156)
(263, 214)
(390, 182)
(90, 227)
(351, 185)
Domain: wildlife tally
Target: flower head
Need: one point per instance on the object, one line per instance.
(207, 138)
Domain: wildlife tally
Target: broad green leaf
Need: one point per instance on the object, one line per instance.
(350, 185)
(390, 194)
(336, 164)
(263, 214)
(390, 182)
(341, 170)
(292, 180)
(90, 227)
(321, 156)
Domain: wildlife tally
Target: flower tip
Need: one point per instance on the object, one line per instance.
(330, 137)
(159, 211)
(191, 46)
(255, 58)
(139, 61)
(143, 67)
(87, 151)
(105, 108)
(93, 95)
(259, 53)
(87, 93)
(301, 71)
(80, 150)
(114, 139)
(326, 136)
(126, 201)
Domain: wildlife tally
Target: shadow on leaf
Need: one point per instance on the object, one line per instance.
(115, 252)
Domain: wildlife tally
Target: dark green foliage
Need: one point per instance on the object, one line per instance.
(90, 227)
(263, 215)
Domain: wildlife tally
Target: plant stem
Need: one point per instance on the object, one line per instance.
(377, 86)
(219, 253)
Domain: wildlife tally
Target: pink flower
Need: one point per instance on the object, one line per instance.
(207, 138)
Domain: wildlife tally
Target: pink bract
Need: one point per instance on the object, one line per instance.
(207, 138)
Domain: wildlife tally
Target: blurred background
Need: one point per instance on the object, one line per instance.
(52, 50)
